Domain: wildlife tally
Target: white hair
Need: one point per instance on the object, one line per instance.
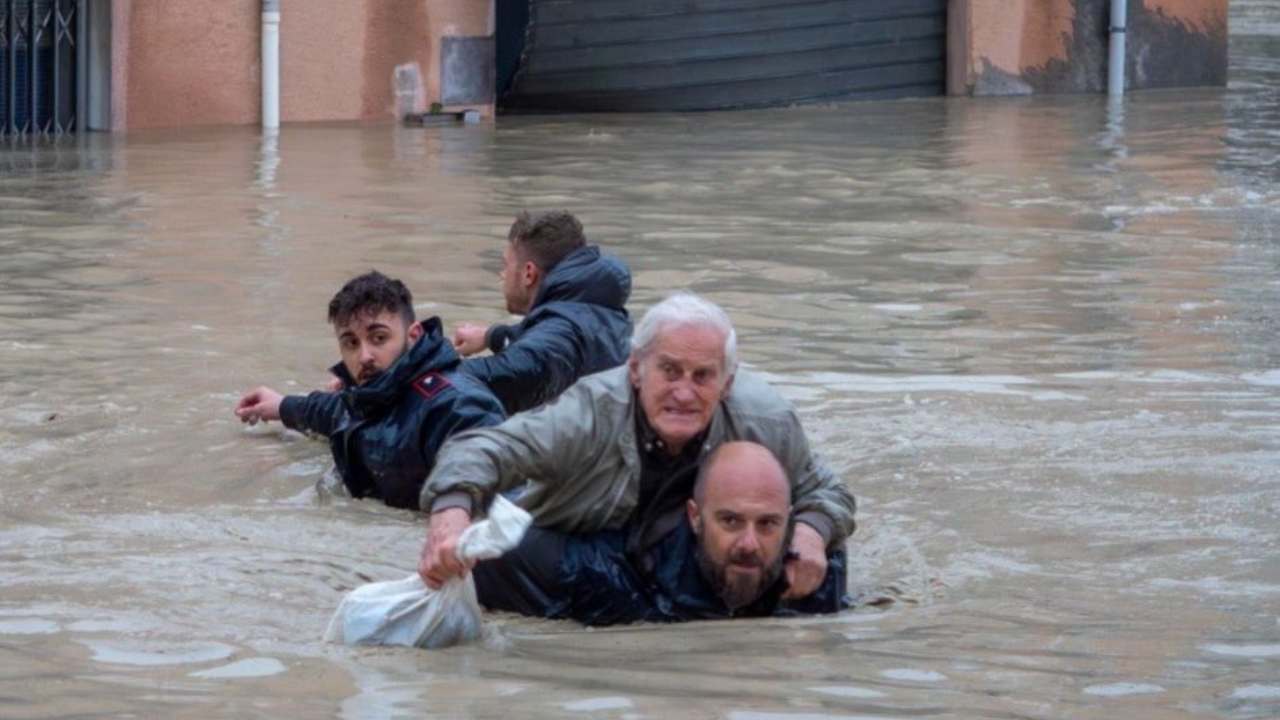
(684, 309)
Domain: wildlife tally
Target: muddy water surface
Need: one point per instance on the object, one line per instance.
(1037, 337)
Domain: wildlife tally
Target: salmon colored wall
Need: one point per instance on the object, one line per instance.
(119, 119)
(321, 75)
(196, 62)
(1023, 46)
(1013, 35)
(1201, 14)
(186, 62)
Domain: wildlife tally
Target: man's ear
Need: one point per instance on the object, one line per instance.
(530, 274)
(415, 332)
(695, 519)
(633, 370)
(728, 385)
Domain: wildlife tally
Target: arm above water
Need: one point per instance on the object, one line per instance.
(317, 412)
(259, 404)
(544, 360)
(550, 446)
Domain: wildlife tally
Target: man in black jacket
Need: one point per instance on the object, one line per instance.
(402, 394)
(724, 559)
(572, 297)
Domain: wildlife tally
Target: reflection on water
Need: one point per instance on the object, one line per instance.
(1037, 335)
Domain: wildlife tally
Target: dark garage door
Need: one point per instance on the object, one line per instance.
(662, 55)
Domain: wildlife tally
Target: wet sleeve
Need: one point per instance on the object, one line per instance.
(317, 412)
(549, 445)
(535, 367)
(819, 522)
(818, 496)
(450, 416)
(452, 500)
(499, 336)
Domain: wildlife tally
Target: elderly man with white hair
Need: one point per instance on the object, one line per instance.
(620, 450)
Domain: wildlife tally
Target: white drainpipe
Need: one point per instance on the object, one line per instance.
(1115, 62)
(270, 64)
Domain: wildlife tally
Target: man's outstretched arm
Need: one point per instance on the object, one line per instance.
(317, 412)
(546, 360)
(549, 446)
(259, 405)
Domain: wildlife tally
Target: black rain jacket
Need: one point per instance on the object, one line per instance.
(385, 434)
(592, 579)
(578, 325)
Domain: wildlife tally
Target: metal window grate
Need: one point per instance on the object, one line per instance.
(37, 67)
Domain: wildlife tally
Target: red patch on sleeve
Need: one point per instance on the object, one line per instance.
(431, 384)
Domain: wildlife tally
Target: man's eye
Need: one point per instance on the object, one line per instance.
(702, 376)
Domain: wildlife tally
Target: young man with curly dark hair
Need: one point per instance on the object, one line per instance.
(402, 394)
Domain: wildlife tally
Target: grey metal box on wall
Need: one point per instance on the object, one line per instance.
(466, 70)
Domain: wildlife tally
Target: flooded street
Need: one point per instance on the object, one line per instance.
(1039, 338)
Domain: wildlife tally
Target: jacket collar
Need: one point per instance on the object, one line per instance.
(653, 445)
(430, 352)
(586, 275)
(718, 429)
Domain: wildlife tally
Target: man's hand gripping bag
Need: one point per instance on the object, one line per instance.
(407, 612)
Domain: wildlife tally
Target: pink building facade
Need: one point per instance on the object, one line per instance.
(1019, 47)
(177, 63)
(198, 62)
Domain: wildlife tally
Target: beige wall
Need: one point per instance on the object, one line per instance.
(1024, 46)
(184, 62)
(196, 62)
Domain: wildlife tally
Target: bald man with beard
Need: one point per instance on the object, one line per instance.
(740, 514)
(725, 559)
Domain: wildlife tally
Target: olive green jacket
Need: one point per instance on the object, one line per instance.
(578, 463)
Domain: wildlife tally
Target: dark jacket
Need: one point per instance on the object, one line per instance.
(577, 326)
(385, 434)
(592, 579)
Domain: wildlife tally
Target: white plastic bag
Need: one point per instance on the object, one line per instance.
(407, 612)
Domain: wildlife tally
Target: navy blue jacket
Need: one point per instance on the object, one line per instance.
(385, 434)
(577, 326)
(592, 579)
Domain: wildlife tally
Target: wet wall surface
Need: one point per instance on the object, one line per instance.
(1036, 336)
(1022, 48)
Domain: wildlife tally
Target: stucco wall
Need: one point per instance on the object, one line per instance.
(183, 62)
(1010, 47)
(196, 62)
(322, 70)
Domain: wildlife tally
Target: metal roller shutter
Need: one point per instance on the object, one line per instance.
(664, 55)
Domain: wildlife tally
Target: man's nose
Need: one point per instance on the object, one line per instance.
(366, 354)
(748, 541)
(683, 391)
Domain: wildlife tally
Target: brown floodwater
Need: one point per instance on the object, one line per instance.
(1037, 337)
